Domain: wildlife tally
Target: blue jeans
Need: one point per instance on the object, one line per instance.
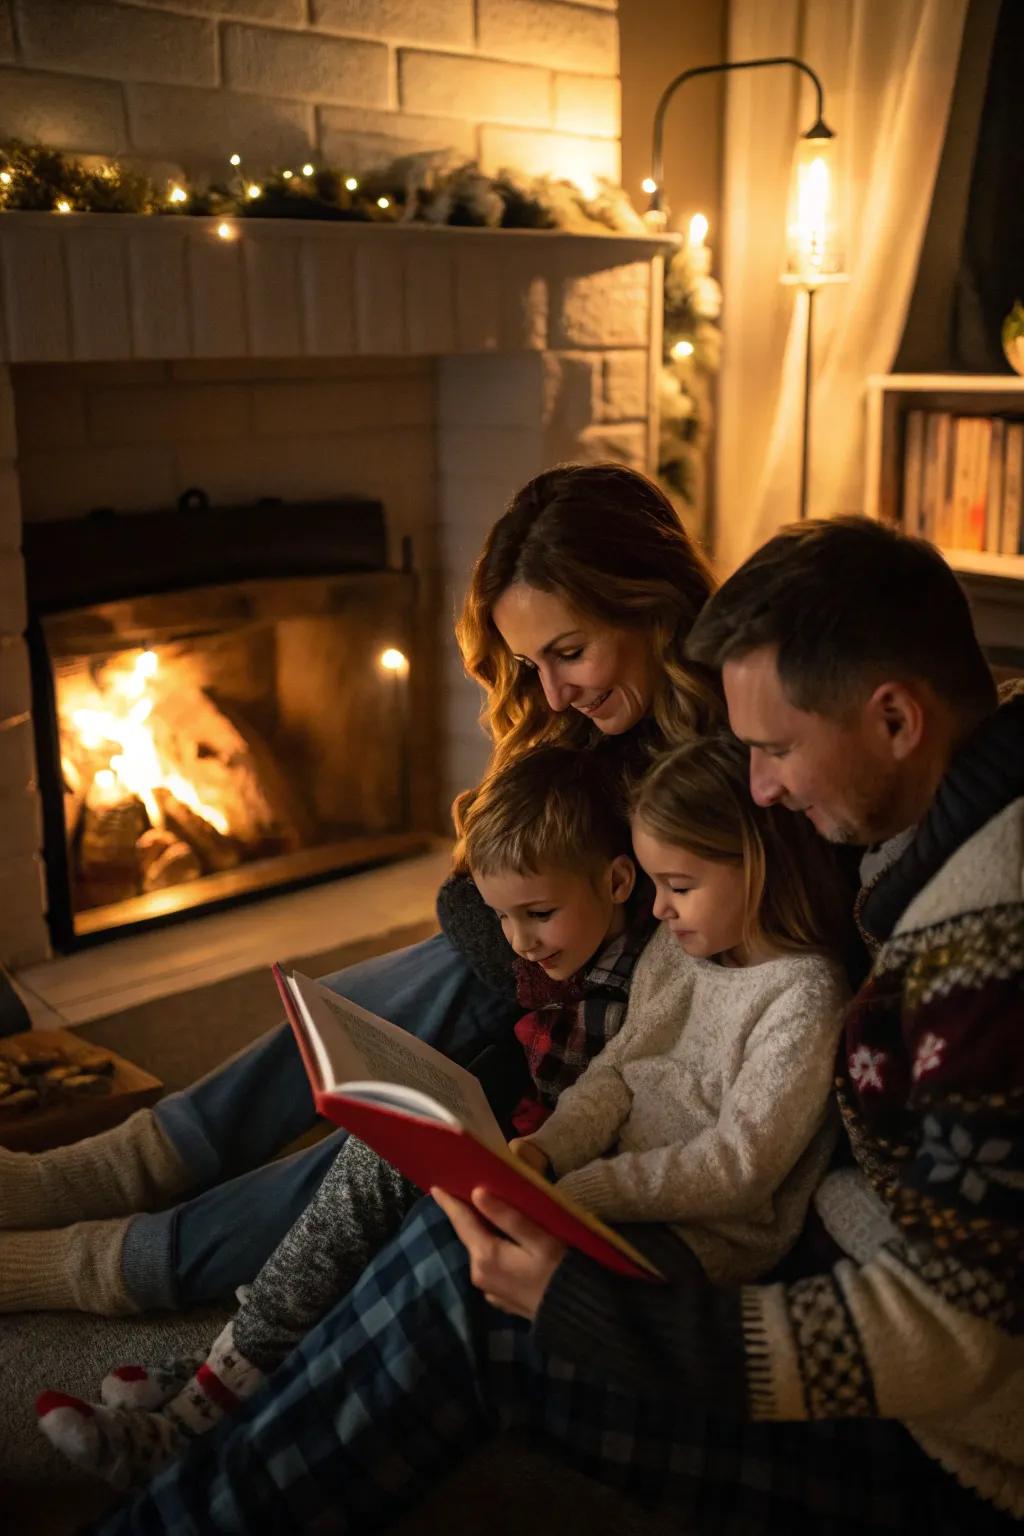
(227, 1125)
(412, 1371)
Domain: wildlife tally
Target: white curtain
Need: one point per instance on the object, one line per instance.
(888, 69)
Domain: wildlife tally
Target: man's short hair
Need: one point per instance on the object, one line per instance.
(553, 807)
(849, 603)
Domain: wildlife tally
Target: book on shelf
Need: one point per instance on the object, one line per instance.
(429, 1117)
(994, 488)
(913, 473)
(1013, 487)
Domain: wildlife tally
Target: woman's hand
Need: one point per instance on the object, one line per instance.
(513, 1270)
(529, 1152)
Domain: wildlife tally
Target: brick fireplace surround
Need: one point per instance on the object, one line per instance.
(434, 369)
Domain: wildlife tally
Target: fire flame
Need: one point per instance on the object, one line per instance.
(115, 722)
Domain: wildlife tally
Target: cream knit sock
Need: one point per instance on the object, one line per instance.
(133, 1167)
(68, 1269)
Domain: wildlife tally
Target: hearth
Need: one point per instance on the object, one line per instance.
(221, 705)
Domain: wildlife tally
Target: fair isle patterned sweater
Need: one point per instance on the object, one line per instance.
(923, 1320)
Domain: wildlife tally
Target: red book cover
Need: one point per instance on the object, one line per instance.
(440, 1152)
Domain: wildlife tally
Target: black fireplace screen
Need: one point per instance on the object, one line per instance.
(200, 744)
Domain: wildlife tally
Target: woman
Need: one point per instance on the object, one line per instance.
(574, 624)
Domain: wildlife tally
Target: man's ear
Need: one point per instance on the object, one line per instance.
(622, 872)
(899, 717)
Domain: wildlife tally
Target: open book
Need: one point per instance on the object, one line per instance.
(429, 1117)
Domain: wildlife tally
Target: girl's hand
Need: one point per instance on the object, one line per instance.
(530, 1153)
(513, 1270)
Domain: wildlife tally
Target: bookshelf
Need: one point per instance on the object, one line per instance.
(994, 583)
(889, 398)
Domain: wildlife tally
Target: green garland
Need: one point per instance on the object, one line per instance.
(428, 188)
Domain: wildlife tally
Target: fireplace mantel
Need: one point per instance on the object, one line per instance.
(117, 287)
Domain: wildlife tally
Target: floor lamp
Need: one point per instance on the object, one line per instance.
(813, 256)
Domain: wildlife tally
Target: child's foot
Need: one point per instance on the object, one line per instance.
(122, 1446)
(149, 1386)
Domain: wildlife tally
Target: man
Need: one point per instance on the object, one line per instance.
(852, 671)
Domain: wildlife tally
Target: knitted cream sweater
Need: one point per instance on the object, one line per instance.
(714, 1097)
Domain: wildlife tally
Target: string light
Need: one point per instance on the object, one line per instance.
(287, 175)
(350, 183)
(6, 178)
(235, 160)
(649, 185)
(63, 206)
(383, 202)
(307, 169)
(392, 660)
(226, 231)
(698, 229)
(177, 195)
(682, 349)
(253, 191)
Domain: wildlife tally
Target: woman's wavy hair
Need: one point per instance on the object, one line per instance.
(608, 541)
(696, 796)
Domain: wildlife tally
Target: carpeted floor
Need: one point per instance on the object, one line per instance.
(508, 1488)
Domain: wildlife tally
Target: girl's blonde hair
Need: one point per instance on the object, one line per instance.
(696, 797)
(607, 541)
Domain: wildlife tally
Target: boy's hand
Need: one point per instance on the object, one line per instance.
(530, 1153)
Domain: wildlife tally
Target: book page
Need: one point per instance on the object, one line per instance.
(352, 1045)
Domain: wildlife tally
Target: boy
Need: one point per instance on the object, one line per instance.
(546, 841)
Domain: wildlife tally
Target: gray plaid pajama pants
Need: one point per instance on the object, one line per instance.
(413, 1371)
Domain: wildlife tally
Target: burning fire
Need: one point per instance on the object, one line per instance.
(114, 722)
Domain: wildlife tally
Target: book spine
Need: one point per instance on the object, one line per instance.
(1013, 474)
(963, 454)
(976, 507)
(913, 472)
(994, 488)
(944, 493)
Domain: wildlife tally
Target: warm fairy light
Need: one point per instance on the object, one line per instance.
(698, 229)
(287, 175)
(235, 160)
(351, 183)
(63, 206)
(383, 202)
(307, 169)
(6, 178)
(253, 191)
(177, 195)
(226, 231)
(682, 349)
(392, 660)
(649, 184)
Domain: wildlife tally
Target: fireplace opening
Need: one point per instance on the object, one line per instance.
(204, 739)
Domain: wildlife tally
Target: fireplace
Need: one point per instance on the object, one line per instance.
(220, 698)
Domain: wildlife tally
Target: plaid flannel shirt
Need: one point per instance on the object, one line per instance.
(569, 1022)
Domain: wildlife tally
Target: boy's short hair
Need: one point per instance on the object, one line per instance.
(849, 603)
(553, 806)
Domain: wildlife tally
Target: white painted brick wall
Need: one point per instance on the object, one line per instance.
(567, 36)
(289, 64)
(441, 23)
(186, 83)
(116, 42)
(474, 88)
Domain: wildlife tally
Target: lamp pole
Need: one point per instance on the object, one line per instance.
(808, 280)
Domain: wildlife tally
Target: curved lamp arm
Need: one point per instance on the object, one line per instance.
(818, 130)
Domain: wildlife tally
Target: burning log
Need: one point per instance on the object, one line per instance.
(112, 823)
(214, 851)
(174, 864)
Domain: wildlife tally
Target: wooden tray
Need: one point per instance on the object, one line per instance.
(53, 1126)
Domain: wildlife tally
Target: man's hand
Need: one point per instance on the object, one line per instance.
(528, 1152)
(514, 1270)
